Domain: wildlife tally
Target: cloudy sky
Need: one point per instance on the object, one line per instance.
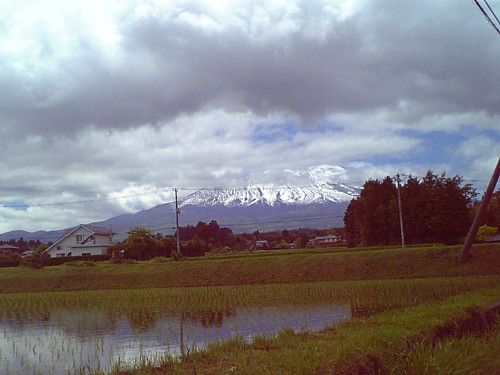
(105, 106)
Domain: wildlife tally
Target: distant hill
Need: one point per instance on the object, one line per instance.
(42, 236)
(256, 207)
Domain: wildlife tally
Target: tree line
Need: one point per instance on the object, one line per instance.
(435, 208)
(22, 244)
(143, 244)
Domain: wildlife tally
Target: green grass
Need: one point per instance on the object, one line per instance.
(465, 355)
(350, 347)
(395, 294)
(257, 268)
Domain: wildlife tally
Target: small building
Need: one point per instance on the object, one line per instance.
(261, 244)
(27, 253)
(495, 238)
(10, 249)
(325, 241)
(83, 240)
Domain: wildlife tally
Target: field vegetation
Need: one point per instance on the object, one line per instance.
(399, 298)
(262, 267)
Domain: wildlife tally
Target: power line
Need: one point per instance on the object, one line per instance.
(160, 190)
(157, 191)
(67, 203)
(486, 15)
(231, 224)
(242, 223)
(281, 221)
(492, 11)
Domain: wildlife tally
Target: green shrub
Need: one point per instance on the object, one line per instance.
(5, 262)
(38, 259)
(81, 263)
(484, 232)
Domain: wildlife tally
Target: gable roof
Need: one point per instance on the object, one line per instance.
(329, 237)
(98, 230)
(9, 247)
(495, 238)
(91, 228)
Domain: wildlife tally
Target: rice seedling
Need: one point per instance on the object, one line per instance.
(96, 329)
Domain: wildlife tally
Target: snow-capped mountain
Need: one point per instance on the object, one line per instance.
(314, 185)
(306, 199)
(272, 195)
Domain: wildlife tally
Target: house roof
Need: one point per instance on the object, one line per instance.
(332, 236)
(9, 247)
(495, 238)
(91, 228)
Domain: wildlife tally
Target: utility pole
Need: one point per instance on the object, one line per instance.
(471, 236)
(398, 180)
(177, 212)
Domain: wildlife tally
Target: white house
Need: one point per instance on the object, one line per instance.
(325, 241)
(83, 240)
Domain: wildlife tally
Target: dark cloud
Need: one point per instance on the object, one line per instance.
(435, 59)
(96, 103)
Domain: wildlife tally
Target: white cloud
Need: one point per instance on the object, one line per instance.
(106, 100)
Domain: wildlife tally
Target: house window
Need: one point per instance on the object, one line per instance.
(60, 255)
(79, 238)
(58, 247)
(86, 254)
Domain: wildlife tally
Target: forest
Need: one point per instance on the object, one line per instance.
(434, 209)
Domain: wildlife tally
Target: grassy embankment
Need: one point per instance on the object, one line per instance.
(418, 340)
(257, 268)
(401, 339)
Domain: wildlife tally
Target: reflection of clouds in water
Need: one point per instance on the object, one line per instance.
(85, 323)
(70, 340)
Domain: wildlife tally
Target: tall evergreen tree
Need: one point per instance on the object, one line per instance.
(435, 209)
(371, 219)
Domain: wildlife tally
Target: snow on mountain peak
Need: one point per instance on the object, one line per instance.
(312, 186)
(272, 195)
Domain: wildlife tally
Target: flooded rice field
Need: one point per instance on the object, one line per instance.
(77, 332)
(74, 342)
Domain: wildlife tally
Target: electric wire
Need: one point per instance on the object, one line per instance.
(157, 191)
(162, 190)
(237, 223)
(491, 10)
(485, 14)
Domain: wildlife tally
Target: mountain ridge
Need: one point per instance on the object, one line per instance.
(272, 194)
(262, 207)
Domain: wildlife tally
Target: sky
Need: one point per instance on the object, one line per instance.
(106, 106)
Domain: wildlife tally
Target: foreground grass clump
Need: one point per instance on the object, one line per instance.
(258, 268)
(471, 354)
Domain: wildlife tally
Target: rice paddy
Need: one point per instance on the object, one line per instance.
(91, 331)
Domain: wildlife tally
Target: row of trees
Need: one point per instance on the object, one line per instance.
(22, 244)
(143, 244)
(435, 209)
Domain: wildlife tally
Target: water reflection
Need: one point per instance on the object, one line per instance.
(68, 341)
